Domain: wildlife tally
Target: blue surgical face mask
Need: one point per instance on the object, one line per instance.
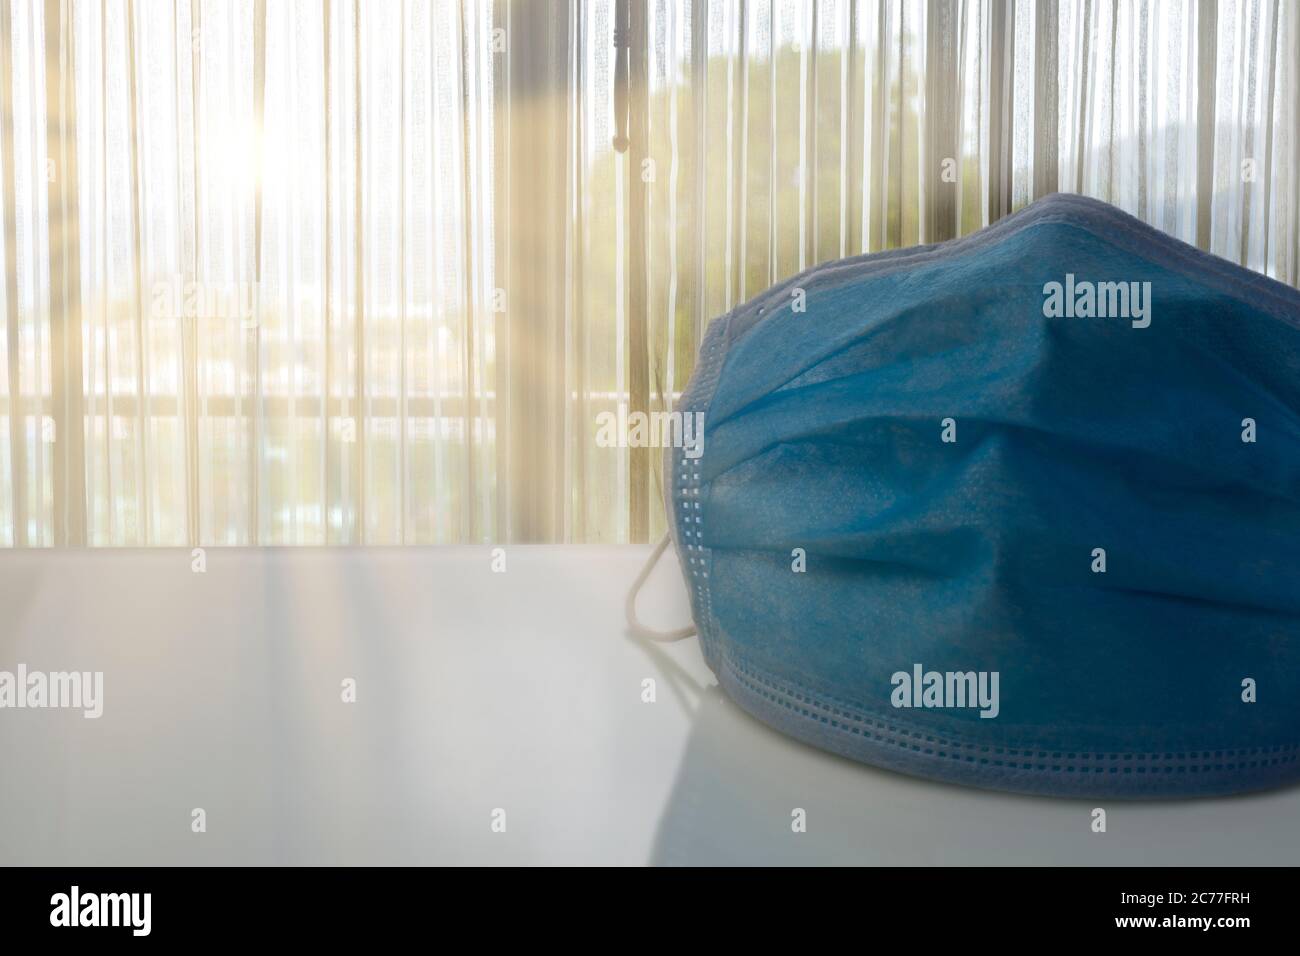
(1020, 510)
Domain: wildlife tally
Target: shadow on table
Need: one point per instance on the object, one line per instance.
(740, 783)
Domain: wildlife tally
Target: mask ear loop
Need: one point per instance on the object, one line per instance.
(638, 629)
(685, 688)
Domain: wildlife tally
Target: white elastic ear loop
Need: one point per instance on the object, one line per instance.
(639, 629)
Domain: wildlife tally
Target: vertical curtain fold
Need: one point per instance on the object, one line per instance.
(64, 244)
(16, 485)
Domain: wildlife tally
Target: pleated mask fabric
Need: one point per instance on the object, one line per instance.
(1020, 510)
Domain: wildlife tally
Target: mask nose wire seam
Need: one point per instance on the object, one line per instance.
(633, 622)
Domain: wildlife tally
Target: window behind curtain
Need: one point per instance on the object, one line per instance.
(279, 273)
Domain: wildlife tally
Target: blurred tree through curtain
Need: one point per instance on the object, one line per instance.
(324, 272)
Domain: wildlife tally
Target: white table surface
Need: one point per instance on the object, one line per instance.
(476, 691)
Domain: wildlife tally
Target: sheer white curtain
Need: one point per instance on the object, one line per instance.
(279, 231)
(330, 272)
